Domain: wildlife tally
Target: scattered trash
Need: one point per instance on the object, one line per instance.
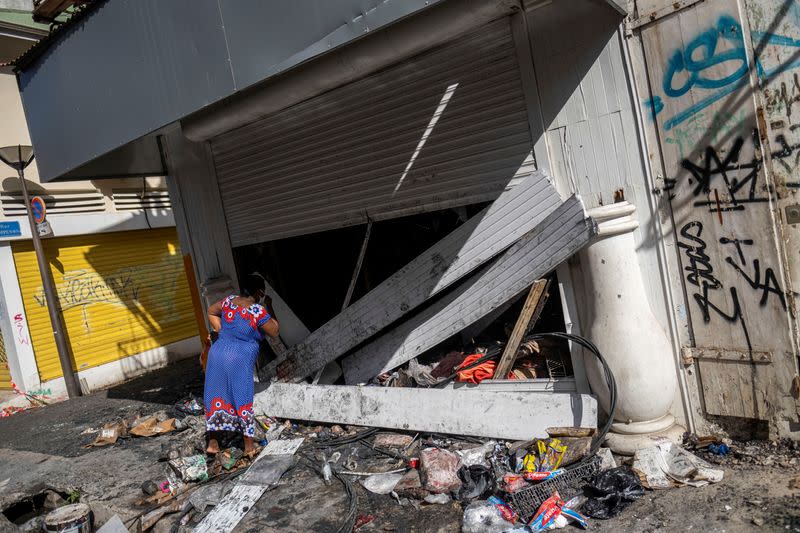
(719, 449)
(511, 483)
(363, 520)
(228, 458)
(191, 468)
(610, 491)
(554, 513)
(475, 374)
(476, 481)
(283, 447)
(440, 499)
(190, 406)
(607, 459)
(392, 440)
(268, 469)
(150, 487)
(410, 486)
(484, 517)
(381, 483)
(665, 464)
(151, 426)
(73, 518)
(109, 434)
(477, 455)
(438, 470)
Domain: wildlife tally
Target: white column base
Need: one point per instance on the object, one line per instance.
(626, 439)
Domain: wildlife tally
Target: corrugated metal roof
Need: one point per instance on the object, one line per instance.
(57, 30)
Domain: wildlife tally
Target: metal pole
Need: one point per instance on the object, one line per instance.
(51, 297)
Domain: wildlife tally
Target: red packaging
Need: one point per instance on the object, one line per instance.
(413, 462)
(548, 511)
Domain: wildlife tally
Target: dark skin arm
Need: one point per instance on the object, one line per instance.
(214, 314)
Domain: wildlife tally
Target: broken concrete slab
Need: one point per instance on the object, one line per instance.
(555, 239)
(502, 415)
(514, 213)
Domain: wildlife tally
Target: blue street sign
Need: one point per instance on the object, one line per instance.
(38, 208)
(10, 229)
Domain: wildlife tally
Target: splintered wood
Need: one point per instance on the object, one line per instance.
(559, 236)
(515, 212)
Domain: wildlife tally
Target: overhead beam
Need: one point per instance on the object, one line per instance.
(474, 412)
(559, 236)
(515, 212)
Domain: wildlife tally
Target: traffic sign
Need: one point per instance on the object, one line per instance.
(38, 208)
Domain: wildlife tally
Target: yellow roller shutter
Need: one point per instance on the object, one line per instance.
(5, 373)
(121, 293)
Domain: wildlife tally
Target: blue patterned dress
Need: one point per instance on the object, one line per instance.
(228, 395)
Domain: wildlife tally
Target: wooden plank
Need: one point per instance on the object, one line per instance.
(533, 303)
(502, 415)
(554, 240)
(357, 270)
(515, 212)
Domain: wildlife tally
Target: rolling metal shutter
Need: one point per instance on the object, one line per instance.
(446, 128)
(121, 294)
(5, 372)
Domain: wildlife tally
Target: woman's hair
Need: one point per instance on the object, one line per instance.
(251, 284)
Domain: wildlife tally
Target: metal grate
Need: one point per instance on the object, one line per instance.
(130, 200)
(57, 203)
(569, 484)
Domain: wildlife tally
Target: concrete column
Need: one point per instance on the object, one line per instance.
(619, 321)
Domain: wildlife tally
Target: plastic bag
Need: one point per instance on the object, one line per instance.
(476, 482)
(483, 517)
(611, 491)
(438, 470)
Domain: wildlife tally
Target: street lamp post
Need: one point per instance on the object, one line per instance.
(19, 157)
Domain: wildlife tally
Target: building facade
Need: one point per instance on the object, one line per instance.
(115, 259)
(671, 121)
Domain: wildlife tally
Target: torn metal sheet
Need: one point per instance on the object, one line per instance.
(502, 415)
(559, 236)
(515, 212)
(293, 331)
(230, 511)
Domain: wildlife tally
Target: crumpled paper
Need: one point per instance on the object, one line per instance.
(666, 464)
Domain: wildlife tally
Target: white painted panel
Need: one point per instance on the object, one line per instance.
(503, 415)
(554, 240)
(512, 215)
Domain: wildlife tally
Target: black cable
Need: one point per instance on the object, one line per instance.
(582, 341)
(332, 443)
(352, 496)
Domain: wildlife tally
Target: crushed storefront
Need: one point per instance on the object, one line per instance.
(443, 177)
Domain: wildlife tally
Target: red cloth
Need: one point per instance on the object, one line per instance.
(478, 373)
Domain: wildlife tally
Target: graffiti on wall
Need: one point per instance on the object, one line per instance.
(715, 64)
(143, 289)
(20, 329)
(715, 146)
(722, 183)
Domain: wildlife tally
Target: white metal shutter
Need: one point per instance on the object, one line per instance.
(446, 128)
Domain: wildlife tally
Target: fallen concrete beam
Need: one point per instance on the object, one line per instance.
(514, 213)
(501, 415)
(560, 235)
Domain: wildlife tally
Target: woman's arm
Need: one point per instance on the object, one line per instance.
(214, 314)
(271, 328)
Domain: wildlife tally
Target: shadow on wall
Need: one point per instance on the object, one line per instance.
(122, 293)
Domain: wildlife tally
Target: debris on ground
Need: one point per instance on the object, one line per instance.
(611, 491)
(666, 464)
